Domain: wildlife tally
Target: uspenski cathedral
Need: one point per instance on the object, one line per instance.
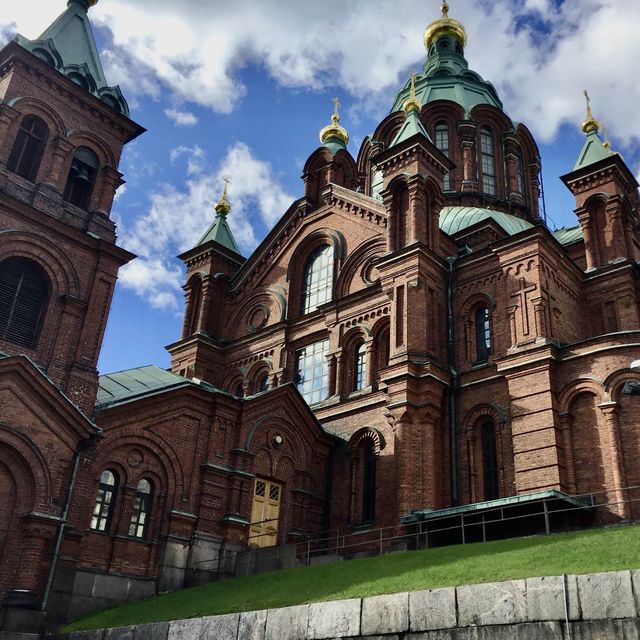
(410, 344)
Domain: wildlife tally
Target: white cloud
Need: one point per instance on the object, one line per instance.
(122, 189)
(177, 218)
(181, 118)
(192, 52)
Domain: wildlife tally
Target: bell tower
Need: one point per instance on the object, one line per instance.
(62, 131)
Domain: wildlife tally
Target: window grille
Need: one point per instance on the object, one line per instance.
(488, 161)
(483, 334)
(23, 297)
(105, 502)
(312, 371)
(28, 148)
(318, 279)
(442, 143)
(138, 528)
(360, 378)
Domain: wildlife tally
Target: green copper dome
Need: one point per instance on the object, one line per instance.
(446, 74)
(454, 219)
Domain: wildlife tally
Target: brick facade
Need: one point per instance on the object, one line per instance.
(462, 351)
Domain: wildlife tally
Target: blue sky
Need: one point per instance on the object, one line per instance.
(243, 88)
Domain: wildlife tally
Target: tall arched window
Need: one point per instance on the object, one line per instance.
(318, 279)
(24, 290)
(360, 368)
(82, 177)
(483, 334)
(105, 501)
(490, 462)
(368, 482)
(520, 174)
(488, 157)
(383, 350)
(442, 142)
(139, 526)
(263, 383)
(28, 148)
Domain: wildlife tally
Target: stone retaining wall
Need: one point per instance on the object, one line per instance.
(598, 606)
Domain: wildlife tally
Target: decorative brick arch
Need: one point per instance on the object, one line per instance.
(296, 445)
(615, 383)
(88, 139)
(31, 461)
(32, 106)
(365, 433)
(264, 297)
(479, 415)
(357, 262)
(582, 385)
(33, 246)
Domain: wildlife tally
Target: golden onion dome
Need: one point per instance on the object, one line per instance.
(590, 124)
(445, 26)
(334, 130)
(412, 103)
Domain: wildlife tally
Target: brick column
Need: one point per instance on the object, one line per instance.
(60, 155)
(566, 424)
(612, 442)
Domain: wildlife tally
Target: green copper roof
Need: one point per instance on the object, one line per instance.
(334, 145)
(69, 46)
(568, 235)
(123, 386)
(447, 76)
(454, 219)
(411, 127)
(220, 232)
(592, 151)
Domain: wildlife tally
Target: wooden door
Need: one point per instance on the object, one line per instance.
(265, 514)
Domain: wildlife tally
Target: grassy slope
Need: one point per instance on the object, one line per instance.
(582, 552)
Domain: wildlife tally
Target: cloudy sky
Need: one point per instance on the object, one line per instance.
(242, 87)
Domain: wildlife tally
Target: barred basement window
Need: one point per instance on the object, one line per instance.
(318, 279)
(28, 148)
(24, 290)
(488, 161)
(105, 502)
(82, 177)
(141, 509)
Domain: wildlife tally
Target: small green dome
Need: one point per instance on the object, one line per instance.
(454, 219)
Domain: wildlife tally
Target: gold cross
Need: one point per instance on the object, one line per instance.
(336, 105)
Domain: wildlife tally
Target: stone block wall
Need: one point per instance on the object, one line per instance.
(587, 607)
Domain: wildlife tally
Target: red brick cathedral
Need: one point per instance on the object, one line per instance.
(410, 340)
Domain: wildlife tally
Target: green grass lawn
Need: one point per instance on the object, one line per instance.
(582, 552)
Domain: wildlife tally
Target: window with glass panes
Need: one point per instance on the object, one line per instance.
(487, 153)
(141, 509)
(105, 501)
(442, 142)
(312, 371)
(28, 148)
(360, 380)
(318, 279)
(483, 334)
(520, 174)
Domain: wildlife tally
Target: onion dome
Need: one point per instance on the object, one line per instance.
(445, 26)
(333, 136)
(223, 208)
(590, 124)
(87, 4)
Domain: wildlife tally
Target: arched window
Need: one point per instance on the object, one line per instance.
(139, 526)
(24, 290)
(263, 383)
(318, 279)
(401, 201)
(490, 462)
(82, 177)
(383, 349)
(312, 371)
(488, 157)
(105, 501)
(483, 334)
(520, 174)
(360, 368)
(195, 303)
(442, 142)
(239, 390)
(28, 148)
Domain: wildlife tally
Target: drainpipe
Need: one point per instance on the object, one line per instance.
(63, 523)
(453, 391)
